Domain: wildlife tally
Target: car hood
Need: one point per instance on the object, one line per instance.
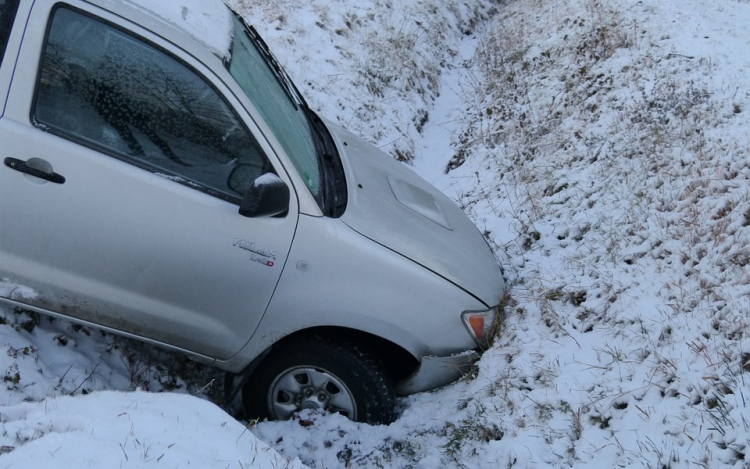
(389, 204)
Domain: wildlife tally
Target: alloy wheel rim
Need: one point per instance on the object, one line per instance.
(307, 387)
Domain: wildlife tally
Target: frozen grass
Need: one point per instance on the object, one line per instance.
(623, 155)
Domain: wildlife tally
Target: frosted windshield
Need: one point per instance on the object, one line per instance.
(286, 119)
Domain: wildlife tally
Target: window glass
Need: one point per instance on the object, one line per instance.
(7, 15)
(286, 119)
(105, 88)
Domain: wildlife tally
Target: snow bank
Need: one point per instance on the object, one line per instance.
(130, 430)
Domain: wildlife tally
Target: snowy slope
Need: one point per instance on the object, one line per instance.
(372, 66)
(602, 146)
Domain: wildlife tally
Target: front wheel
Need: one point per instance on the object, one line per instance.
(313, 373)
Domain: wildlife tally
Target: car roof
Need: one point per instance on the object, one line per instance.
(207, 22)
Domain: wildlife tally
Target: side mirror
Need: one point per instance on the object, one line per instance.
(267, 197)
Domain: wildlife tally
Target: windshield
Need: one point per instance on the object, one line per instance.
(276, 100)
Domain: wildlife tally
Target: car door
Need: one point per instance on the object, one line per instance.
(124, 164)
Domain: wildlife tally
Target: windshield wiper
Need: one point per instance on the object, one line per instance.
(286, 82)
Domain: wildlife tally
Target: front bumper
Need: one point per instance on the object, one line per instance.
(434, 372)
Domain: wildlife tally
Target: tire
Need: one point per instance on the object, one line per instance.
(314, 373)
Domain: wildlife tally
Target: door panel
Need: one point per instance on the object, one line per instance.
(144, 234)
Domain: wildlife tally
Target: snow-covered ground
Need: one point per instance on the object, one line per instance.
(603, 146)
(131, 430)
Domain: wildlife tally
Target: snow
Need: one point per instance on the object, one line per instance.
(14, 291)
(266, 179)
(603, 147)
(130, 430)
(207, 21)
(73, 397)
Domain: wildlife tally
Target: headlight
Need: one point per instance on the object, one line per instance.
(479, 324)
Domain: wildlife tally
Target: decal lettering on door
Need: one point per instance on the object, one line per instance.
(260, 254)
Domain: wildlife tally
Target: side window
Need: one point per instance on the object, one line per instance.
(7, 15)
(105, 88)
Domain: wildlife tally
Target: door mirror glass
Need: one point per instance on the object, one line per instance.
(243, 176)
(267, 197)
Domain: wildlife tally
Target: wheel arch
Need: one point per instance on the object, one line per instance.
(396, 360)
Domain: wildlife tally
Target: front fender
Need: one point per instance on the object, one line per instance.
(336, 277)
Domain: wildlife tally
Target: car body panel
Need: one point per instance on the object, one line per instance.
(433, 372)
(393, 206)
(336, 277)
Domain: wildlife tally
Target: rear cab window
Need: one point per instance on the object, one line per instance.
(8, 10)
(106, 88)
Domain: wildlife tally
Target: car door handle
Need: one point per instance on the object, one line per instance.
(30, 169)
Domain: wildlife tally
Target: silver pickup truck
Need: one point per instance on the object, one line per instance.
(163, 179)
